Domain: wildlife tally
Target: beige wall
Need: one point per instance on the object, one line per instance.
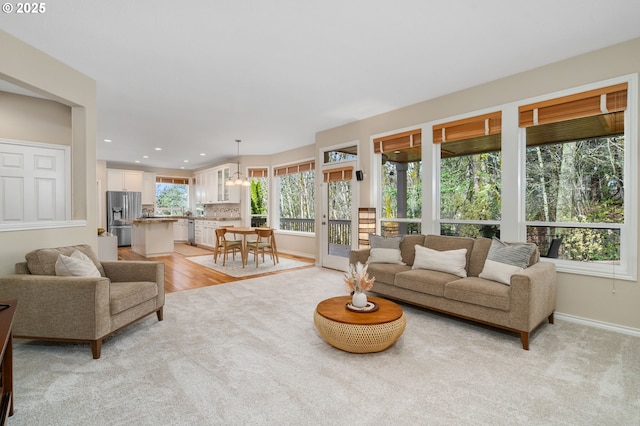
(33, 119)
(578, 295)
(75, 102)
(287, 243)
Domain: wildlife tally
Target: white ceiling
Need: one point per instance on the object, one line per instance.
(191, 77)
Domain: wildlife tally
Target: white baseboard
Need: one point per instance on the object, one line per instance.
(598, 324)
(297, 253)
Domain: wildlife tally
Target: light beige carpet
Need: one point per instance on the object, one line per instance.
(233, 267)
(247, 353)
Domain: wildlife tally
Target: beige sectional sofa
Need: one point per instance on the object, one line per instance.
(521, 306)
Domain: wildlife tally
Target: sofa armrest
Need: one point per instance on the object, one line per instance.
(137, 270)
(360, 255)
(533, 295)
(58, 307)
(134, 270)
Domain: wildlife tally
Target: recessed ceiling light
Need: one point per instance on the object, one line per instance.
(145, 156)
(202, 154)
(158, 149)
(107, 140)
(185, 161)
(137, 161)
(182, 167)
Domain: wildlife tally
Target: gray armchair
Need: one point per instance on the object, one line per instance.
(81, 309)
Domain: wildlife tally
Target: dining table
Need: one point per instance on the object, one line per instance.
(244, 231)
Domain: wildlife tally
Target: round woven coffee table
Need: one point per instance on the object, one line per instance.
(359, 332)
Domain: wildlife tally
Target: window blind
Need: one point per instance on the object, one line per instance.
(399, 141)
(290, 169)
(177, 181)
(586, 104)
(258, 172)
(472, 127)
(342, 173)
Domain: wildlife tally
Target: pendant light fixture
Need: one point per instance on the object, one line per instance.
(237, 178)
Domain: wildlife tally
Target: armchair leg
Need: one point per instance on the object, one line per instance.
(159, 313)
(551, 319)
(96, 348)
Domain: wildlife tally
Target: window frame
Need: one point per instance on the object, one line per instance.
(170, 180)
(274, 213)
(513, 225)
(627, 268)
(462, 128)
(268, 180)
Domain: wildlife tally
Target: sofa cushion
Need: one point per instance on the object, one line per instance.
(443, 243)
(451, 261)
(76, 265)
(385, 255)
(479, 254)
(478, 291)
(408, 247)
(379, 241)
(43, 261)
(424, 281)
(385, 272)
(505, 260)
(125, 295)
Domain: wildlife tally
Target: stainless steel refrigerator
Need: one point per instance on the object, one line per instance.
(122, 205)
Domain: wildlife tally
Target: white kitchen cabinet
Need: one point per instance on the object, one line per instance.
(222, 190)
(224, 193)
(211, 188)
(205, 187)
(198, 187)
(181, 230)
(209, 233)
(124, 180)
(148, 188)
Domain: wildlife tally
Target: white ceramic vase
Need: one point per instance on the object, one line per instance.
(359, 299)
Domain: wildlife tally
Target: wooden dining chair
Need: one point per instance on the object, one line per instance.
(224, 246)
(230, 231)
(265, 243)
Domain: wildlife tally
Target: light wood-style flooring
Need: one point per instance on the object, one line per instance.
(181, 274)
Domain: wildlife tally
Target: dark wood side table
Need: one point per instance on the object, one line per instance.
(6, 358)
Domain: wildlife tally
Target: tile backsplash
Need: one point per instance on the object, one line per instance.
(222, 210)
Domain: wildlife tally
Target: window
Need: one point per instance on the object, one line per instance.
(259, 194)
(566, 166)
(470, 175)
(575, 174)
(401, 189)
(341, 154)
(295, 184)
(172, 196)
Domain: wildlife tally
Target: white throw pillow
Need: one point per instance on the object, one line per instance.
(450, 261)
(77, 265)
(498, 271)
(385, 255)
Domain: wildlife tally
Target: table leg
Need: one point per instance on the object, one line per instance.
(244, 253)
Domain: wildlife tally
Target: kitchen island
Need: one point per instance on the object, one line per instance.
(152, 237)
